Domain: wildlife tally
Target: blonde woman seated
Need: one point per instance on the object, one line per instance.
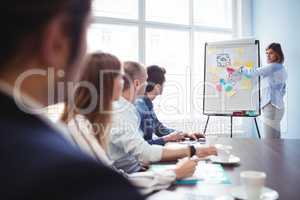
(89, 119)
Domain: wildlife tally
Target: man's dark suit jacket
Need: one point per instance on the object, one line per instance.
(37, 162)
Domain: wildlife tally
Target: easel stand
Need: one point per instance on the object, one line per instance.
(231, 120)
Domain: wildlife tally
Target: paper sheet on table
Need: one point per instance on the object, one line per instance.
(206, 173)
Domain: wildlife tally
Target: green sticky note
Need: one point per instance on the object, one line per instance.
(228, 87)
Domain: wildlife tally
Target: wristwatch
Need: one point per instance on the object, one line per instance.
(192, 150)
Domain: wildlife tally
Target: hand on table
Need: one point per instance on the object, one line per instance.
(194, 135)
(185, 168)
(206, 151)
(144, 166)
(174, 137)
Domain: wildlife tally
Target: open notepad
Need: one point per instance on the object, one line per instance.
(205, 173)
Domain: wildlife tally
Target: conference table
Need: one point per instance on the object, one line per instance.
(278, 158)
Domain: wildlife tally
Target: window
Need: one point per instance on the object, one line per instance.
(213, 13)
(175, 60)
(119, 40)
(170, 33)
(168, 11)
(116, 8)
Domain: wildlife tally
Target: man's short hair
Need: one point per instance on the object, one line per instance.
(132, 70)
(156, 75)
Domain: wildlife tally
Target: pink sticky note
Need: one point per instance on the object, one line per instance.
(219, 88)
(230, 70)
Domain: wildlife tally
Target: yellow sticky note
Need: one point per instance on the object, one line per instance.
(215, 79)
(231, 93)
(249, 64)
(214, 70)
(240, 51)
(211, 50)
(246, 84)
(211, 70)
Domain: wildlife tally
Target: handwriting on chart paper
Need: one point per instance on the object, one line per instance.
(225, 73)
(223, 60)
(228, 82)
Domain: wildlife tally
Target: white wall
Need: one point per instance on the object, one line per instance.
(278, 21)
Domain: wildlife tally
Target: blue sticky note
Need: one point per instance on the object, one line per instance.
(222, 81)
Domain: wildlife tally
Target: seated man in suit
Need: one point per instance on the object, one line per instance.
(150, 125)
(37, 160)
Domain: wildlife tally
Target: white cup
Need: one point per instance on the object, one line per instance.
(253, 183)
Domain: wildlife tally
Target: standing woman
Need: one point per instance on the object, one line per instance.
(275, 76)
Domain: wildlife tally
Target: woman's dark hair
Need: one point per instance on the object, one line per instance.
(156, 75)
(277, 48)
(101, 71)
(24, 21)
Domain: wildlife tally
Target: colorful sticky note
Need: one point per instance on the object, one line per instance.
(213, 70)
(211, 50)
(222, 81)
(236, 77)
(215, 79)
(219, 88)
(246, 84)
(230, 70)
(228, 87)
(210, 70)
(231, 93)
(249, 64)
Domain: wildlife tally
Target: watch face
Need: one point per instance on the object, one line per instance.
(193, 150)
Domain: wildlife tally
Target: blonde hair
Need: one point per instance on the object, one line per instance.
(100, 115)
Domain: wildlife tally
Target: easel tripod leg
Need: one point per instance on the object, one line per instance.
(231, 119)
(258, 133)
(206, 125)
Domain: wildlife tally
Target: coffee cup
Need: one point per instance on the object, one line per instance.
(253, 183)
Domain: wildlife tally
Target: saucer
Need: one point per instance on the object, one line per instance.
(267, 193)
(222, 160)
(223, 147)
